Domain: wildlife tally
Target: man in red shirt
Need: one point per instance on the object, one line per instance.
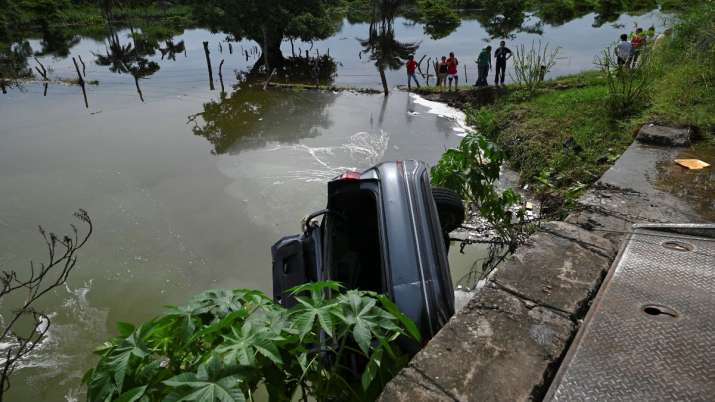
(411, 67)
(452, 64)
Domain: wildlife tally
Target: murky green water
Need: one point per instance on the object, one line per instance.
(188, 190)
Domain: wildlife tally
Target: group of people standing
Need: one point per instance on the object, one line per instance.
(631, 46)
(447, 71)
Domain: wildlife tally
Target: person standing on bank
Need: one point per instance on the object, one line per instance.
(623, 51)
(442, 71)
(638, 43)
(411, 66)
(484, 64)
(452, 72)
(502, 54)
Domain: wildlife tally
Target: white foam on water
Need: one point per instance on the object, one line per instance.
(458, 118)
(362, 150)
(62, 353)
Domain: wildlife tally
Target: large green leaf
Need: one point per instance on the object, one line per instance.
(118, 360)
(132, 395)
(372, 368)
(242, 345)
(309, 311)
(192, 388)
(404, 320)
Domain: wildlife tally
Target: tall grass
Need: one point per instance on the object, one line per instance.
(684, 89)
(628, 86)
(532, 64)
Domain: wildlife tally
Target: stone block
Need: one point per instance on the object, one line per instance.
(653, 134)
(607, 226)
(410, 385)
(561, 269)
(498, 348)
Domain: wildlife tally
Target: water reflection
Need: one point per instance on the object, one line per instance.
(382, 46)
(250, 118)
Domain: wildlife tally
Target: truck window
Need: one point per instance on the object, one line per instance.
(354, 256)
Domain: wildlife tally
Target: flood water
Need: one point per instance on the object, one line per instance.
(189, 189)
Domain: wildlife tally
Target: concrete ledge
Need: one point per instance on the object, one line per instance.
(664, 136)
(507, 342)
(561, 267)
(497, 348)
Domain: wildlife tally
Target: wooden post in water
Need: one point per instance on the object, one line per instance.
(220, 48)
(84, 68)
(208, 63)
(230, 48)
(268, 80)
(81, 83)
(429, 62)
(466, 80)
(220, 76)
(43, 73)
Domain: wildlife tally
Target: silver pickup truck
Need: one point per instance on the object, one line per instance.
(386, 230)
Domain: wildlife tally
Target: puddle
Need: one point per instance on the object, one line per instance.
(696, 187)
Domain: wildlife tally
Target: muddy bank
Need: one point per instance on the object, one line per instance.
(462, 99)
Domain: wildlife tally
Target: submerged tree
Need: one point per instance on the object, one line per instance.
(268, 23)
(439, 18)
(129, 59)
(248, 118)
(381, 45)
(13, 64)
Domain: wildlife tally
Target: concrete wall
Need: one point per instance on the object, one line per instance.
(507, 343)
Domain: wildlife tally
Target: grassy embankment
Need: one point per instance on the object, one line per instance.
(564, 137)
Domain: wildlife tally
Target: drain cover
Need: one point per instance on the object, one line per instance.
(650, 334)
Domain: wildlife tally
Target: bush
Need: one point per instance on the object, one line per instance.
(472, 170)
(531, 65)
(226, 345)
(628, 86)
(684, 91)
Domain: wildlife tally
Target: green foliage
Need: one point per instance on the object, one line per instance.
(225, 345)
(268, 23)
(628, 86)
(439, 17)
(472, 170)
(684, 90)
(532, 64)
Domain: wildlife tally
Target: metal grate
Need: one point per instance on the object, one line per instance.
(650, 334)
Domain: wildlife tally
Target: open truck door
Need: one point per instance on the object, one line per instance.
(297, 260)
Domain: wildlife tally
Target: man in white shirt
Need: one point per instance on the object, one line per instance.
(624, 50)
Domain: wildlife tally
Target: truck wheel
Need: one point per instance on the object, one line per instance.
(450, 208)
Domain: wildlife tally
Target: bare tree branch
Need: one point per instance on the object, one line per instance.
(42, 279)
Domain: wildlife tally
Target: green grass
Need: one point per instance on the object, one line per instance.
(563, 138)
(559, 140)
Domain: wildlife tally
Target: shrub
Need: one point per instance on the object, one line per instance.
(472, 170)
(225, 345)
(531, 65)
(628, 86)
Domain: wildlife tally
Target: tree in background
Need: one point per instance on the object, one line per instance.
(268, 23)
(381, 45)
(439, 18)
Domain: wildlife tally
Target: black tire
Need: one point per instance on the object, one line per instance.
(450, 208)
